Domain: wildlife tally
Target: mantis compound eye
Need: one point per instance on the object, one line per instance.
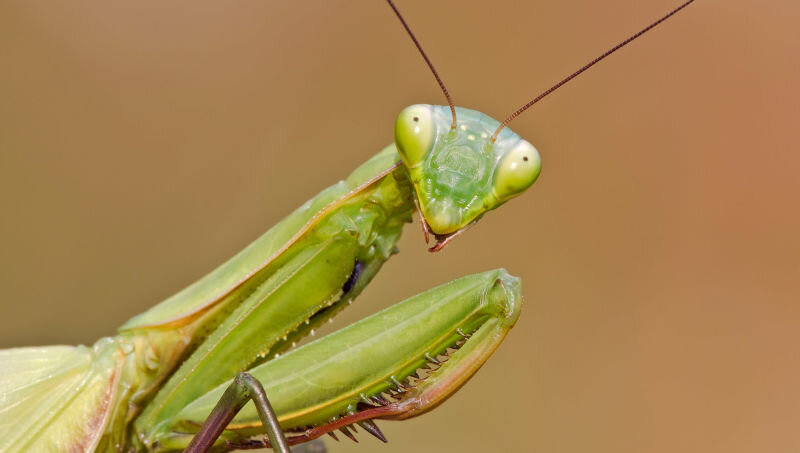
(414, 133)
(516, 171)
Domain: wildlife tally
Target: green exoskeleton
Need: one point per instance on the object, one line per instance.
(174, 376)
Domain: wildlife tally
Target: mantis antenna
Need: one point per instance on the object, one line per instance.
(575, 74)
(427, 60)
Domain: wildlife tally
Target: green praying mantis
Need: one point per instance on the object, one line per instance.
(179, 376)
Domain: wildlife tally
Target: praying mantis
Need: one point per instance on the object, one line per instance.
(153, 386)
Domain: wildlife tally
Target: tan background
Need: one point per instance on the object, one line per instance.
(142, 143)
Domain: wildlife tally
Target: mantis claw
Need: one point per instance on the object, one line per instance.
(398, 384)
(344, 430)
(368, 401)
(370, 427)
(432, 359)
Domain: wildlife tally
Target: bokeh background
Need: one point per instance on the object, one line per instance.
(143, 143)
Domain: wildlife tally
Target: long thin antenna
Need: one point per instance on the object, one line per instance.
(587, 66)
(427, 60)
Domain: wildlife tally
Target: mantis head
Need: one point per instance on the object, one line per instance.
(461, 172)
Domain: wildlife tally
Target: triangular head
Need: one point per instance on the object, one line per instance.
(460, 173)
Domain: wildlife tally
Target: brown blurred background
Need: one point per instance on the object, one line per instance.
(143, 143)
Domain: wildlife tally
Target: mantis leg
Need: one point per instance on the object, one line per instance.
(243, 388)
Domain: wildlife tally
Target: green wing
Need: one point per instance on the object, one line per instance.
(57, 398)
